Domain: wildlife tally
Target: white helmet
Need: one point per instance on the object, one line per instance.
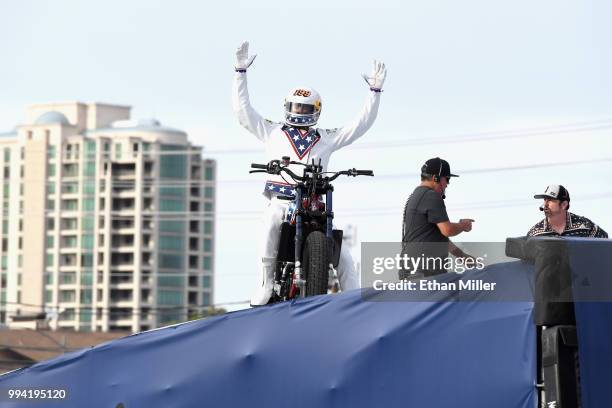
(302, 107)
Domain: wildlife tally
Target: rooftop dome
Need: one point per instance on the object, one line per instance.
(53, 117)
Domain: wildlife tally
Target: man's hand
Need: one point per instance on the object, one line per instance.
(377, 77)
(466, 224)
(243, 61)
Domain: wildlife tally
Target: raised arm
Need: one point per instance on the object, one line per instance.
(348, 134)
(247, 116)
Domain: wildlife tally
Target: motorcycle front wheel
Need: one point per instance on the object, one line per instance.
(315, 261)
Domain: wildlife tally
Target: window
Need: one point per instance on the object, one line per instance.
(69, 205)
(170, 261)
(88, 204)
(87, 241)
(69, 242)
(171, 281)
(69, 223)
(178, 192)
(70, 188)
(67, 296)
(87, 278)
(85, 317)
(172, 205)
(173, 165)
(171, 243)
(90, 150)
(206, 281)
(71, 170)
(90, 168)
(89, 187)
(87, 223)
(48, 278)
(207, 245)
(208, 227)
(209, 192)
(67, 278)
(86, 260)
(209, 173)
(86, 295)
(172, 298)
(207, 263)
(66, 315)
(172, 226)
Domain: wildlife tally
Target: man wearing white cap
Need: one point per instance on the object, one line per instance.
(559, 221)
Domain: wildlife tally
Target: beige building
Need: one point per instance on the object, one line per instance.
(107, 223)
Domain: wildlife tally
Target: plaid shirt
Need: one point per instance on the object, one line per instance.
(575, 226)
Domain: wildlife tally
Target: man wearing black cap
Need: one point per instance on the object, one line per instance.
(426, 226)
(559, 221)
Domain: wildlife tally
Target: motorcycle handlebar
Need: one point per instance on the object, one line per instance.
(274, 168)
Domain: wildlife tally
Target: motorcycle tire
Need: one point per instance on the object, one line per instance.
(315, 260)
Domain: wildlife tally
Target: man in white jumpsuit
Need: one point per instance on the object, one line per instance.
(301, 141)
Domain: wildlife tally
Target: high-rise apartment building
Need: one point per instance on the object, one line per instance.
(107, 223)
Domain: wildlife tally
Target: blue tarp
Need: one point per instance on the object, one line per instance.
(326, 351)
(591, 262)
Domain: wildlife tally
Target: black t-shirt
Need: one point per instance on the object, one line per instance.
(421, 236)
(424, 209)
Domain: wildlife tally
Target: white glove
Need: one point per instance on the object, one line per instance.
(377, 77)
(243, 61)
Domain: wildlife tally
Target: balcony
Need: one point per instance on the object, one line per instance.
(122, 259)
(121, 278)
(122, 240)
(196, 172)
(123, 204)
(121, 297)
(121, 315)
(124, 190)
(123, 171)
(123, 226)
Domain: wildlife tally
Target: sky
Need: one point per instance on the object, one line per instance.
(515, 95)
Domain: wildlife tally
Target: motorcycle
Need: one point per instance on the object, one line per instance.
(309, 247)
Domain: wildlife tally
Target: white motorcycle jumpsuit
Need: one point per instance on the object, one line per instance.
(303, 146)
